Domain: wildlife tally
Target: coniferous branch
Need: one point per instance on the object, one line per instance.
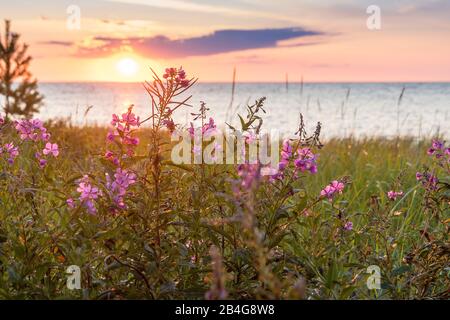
(17, 85)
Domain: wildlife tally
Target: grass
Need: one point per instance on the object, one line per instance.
(302, 253)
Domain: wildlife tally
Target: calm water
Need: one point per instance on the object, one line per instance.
(370, 110)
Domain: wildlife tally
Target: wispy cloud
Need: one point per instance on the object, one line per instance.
(221, 41)
(57, 43)
(174, 4)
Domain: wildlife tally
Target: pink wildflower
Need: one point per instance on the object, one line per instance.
(209, 128)
(330, 190)
(286, 154)
(428, 180)
(348, 226)
(177, 76)
(32, 130)
(51, 148)
(110, 136)
(191, 130)
(170, 73)
(70, 203)
(88, 194)
(437, 145)
(41, 160)
(181, 74)
(109, 154)
(338, 186)
(248, 173)
(123, 132)
(123, 179)
(12, 151)
(170, 125)
(130, 119)
(184, 83)
(439, 151)
(115, 119)
(86, 190)
(306, 161)
(393, 195)
(286, 151)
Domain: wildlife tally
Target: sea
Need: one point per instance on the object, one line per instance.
(361, 110)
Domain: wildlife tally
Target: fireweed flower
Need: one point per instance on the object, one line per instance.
(11, 151)
(176, 76)
(42, 162)
(170, 73)
(123, 134)
(248, 174)
(439, 152)
(118, 186)
(428, 180)
(191, 129)
(115, 120)
(393, 195)
(419, 176)
(437, 145)
(169, 124)
(338, 186)
(86, 190)
(70, 203)
(328, 192)
(286, 151)
(348, 226)
(110, 136)
(124, 126)
(209, 128)
(132, 141)
(130, 119)
(335, 187)
(286, 155)
(88, 194)
(306, 161)
(32, 130)
(109, 155)
(51, 148)
(123, 179)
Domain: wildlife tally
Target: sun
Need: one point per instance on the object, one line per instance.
(127, 67)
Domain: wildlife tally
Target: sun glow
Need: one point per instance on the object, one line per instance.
(127, 67)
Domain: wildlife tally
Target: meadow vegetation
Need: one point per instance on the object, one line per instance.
(110, 201)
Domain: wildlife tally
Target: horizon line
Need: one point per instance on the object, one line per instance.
(255, 82)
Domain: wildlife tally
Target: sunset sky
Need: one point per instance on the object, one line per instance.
(321, 40)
